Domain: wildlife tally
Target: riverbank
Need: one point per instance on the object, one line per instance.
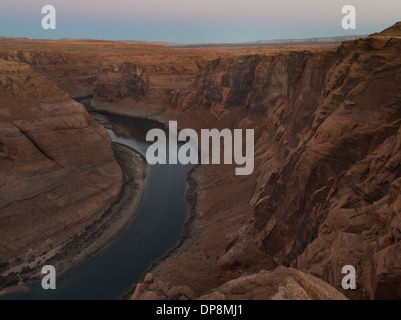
(192, 227)
(220, 216)
(97, 235)
(189, 233)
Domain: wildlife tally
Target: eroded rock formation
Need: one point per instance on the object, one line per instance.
(326, 187)
(279, 284)
(58, 173)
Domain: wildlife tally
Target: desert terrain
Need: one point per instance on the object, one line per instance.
(325, 191)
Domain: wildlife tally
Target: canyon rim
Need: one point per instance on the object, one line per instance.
(324, 192)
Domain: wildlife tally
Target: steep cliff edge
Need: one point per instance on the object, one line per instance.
(334, 200)
(326, 185)
(58, 173)
(328, 174)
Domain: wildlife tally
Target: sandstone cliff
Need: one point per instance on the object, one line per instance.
(58, 173)
(334, 199)
(328, 180)
(325, 190)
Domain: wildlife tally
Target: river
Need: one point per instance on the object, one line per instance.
(155, 228)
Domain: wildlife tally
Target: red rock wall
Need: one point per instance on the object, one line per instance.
(57, 168)
(327, 125)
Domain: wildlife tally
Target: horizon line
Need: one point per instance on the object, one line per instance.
(159, 42)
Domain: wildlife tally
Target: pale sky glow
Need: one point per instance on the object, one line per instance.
(194, 21)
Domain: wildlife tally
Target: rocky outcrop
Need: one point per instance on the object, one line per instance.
(58, 173)
(160, 290)
(279, 284)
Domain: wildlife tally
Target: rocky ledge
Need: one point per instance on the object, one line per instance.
(279, 284)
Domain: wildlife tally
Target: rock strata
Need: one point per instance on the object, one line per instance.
(325, 191)
(58, 173)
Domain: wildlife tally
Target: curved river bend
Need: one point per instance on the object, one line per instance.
(155, 228)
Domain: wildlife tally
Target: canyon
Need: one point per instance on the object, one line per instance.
(324, 193)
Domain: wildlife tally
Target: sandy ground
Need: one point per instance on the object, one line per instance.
(98, 234)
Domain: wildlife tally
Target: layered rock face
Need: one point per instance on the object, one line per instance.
(112, 72)
(328, 150)
(326, 187)
(58, 173)
(334, 200)
(279, 284)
